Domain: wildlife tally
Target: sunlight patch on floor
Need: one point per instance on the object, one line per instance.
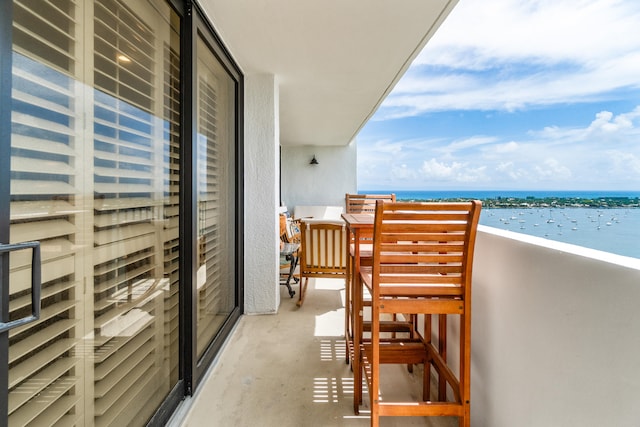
(331, 390)
(330, 324)
(324, 284)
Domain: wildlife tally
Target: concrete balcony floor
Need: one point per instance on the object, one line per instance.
(289, 370)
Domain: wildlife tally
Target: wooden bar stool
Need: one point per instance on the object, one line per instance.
(359, 244)
(422, 265)
(360, 230)
(365, 203)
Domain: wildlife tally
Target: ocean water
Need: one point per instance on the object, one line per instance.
(611, 230)
(615, 230)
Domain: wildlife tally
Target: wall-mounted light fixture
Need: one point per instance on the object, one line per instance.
(314, 161)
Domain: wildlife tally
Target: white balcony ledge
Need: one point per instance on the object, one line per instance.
(556, 339)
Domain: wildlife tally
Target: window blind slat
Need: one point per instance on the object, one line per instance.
(117, 264)
(37, 188)
(40, 123)
(46, 292)
(128, 401)
(137, 360)
(28, 367)
(34, 385)
(124, 203)
(47, 314)
(120, 173)
(44, 230)
(125, 353)
(123, 233)
(23, 164)
(50, 405)
(115, 344)
(38, 339)
(122, 188)
(20, 280)
(119, 282)
(36, 210)
(105, 253)
(117, 157)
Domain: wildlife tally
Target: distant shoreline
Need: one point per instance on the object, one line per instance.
(540, 202)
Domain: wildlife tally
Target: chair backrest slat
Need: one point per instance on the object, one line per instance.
(424, 248)
(365, 203)
(323, 248)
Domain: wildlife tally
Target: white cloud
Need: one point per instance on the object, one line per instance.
(511, 54)
(606, 122)
(555, 157)
(509, 171)
(540, 31)
(552, 169)
(491, 67)
(467, 143)
(436, 170)
(456, 171)
(625, 164)
(403, 173)
(509, 147)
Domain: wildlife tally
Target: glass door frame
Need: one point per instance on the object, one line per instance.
(6, 18)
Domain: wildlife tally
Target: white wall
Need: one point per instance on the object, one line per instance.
(261, 229)
(322, 184)
(555, 335)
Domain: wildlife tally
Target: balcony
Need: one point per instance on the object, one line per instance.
(556, 338)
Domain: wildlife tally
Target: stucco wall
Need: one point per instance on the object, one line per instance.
(555, 335)
(261, 140)
(323, 184)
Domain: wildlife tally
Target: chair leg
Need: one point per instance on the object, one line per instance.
(356, 365)
(465, 365)
(442, 349)
(426, 388)
(348, 311)
(374, 390)
(304, 281)
(357, 384)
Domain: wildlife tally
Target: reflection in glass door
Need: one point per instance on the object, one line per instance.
(216, 281)
(94, 177)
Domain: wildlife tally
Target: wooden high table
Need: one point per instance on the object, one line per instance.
(359, 226)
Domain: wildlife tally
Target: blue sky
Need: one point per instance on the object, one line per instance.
(518, 95)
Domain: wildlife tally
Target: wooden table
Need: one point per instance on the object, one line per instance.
(359, 227)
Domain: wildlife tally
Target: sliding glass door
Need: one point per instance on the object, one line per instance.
(216, 105)
(120, 154)
(94, 147)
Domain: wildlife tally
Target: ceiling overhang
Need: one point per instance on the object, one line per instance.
(335, 60)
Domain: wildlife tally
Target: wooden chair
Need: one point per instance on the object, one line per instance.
(322, 252)
(422, 265)
(289, 251)
(365, 203)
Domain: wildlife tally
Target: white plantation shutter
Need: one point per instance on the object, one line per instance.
(171, 209)
(215, 99)
(208, 214)
(94, 177)
(44, 372)
(129, 280)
